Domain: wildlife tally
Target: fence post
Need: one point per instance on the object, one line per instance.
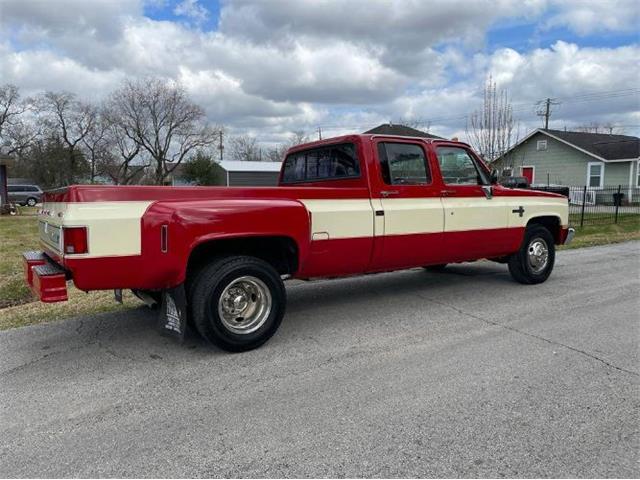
(618, 202)
(584, 201)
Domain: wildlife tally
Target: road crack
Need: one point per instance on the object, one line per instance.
(532, 335)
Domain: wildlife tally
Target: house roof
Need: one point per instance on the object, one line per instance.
(400, 130)
(245, 166)
(602, 146)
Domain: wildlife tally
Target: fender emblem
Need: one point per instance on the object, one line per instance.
(519, 210)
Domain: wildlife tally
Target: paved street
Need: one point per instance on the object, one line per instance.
(463, 373)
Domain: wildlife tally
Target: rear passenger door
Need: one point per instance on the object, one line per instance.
(475, 221)
(408, 209)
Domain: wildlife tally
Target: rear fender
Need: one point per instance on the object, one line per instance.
(193, 223)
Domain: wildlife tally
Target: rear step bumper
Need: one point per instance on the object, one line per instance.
(48, 281)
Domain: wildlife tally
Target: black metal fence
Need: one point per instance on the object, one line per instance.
(601, 206)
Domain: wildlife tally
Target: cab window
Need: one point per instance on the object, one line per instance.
(459, 168)
(335, 162)
(403, 164)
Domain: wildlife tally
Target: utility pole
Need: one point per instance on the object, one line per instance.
(221, 146)
(544, 110)
(319, 133)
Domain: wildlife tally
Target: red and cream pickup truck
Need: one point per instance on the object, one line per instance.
(216, 257)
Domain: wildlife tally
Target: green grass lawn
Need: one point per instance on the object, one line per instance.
(591, 235)
(20, 233)
(17, 305)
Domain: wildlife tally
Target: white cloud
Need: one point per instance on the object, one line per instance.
(192, 10)
(283, 65)
(592, 16)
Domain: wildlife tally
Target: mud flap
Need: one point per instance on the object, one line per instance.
(172, 321)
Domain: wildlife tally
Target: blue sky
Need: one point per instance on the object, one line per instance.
(270, 68)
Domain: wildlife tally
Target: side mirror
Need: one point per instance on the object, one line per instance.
(494, 176)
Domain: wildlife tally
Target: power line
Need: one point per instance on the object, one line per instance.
(523, 106)
(544, 110)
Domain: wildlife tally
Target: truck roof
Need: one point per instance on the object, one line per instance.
(353, 137)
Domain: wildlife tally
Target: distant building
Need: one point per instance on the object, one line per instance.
(597, 160)
(400, 130)
(240, 174)
(243, 173)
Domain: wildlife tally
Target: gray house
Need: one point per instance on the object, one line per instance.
(258, 174)
(239, 174)
(557, 157)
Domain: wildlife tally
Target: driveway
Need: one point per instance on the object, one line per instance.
(411, 374)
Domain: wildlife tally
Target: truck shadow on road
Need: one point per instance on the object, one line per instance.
(314, 308)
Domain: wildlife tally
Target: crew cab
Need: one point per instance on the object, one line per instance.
(216, 257)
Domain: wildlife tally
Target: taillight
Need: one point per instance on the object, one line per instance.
(75, 240)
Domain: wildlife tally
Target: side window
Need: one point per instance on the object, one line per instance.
(329, 163)
(32, 189)
(458, 168)
(294, 168)
(403, 164)
(12, 188)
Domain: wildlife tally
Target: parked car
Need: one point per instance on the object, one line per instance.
(216, 257)
(514, 182)
(25, 194)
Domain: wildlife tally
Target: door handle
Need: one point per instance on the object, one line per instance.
(447, 193)
(386, 193)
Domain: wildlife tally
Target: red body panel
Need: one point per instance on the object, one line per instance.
(194, 215)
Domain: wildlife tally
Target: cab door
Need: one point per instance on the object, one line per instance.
(475, 222)
(408, 209)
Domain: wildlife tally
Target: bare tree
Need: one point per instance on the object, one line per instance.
(417, 123)
(597, 127)
(16, 133)
(277, 153)
(70, 120)
(297, 137)
(96, 146)
(244, 148)
(160, 118)
(492, 130)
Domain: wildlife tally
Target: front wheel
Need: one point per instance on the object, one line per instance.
(237, 302)
(31, 202)
(534, 261)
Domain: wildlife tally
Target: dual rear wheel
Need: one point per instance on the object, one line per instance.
(237, 302)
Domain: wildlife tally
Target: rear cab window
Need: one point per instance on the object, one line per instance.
(331, 162)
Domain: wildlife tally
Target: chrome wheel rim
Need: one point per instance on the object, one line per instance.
(538, 255)
(244, 305)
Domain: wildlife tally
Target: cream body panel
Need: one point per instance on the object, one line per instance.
(475, 213)
(404, 216)
(113, 228)
(538, 207)
(349, 218)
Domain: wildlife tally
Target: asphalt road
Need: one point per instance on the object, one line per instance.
(464, 373)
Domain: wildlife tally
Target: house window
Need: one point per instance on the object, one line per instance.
(595, 175)
(541, 145)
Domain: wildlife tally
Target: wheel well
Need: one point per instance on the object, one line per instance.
(551, 223)
(279, 252)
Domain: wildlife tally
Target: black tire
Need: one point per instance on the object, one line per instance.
(31, 202)
(436, 268)
(521, 267)
(212, 281)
